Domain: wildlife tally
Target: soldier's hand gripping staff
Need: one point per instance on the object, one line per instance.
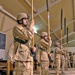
(23, 58)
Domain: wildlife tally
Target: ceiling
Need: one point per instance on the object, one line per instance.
(40, 16)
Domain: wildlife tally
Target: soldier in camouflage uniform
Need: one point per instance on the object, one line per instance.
(57, 57)
(44, 43)
(22, 35)
(73, 64)
(52, 60)
(63, 58)
(67, 58)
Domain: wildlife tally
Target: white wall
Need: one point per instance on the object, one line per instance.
(6, 26)
(70, 49)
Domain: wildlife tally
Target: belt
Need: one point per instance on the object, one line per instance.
(44, 60)
(42, 49)
(23, 61)
(21, 41)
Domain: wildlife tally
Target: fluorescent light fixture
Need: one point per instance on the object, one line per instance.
(35, 31)
(35, 28)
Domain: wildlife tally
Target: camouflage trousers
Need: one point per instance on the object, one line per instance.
(66, 64)
(45, 68)
(57, 64)
(23, 68)
(73, 64)
(63, 64)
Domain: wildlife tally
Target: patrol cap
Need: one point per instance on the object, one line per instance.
(22, 15)
(44, 34)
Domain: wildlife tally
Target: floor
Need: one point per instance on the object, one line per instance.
(70, 71)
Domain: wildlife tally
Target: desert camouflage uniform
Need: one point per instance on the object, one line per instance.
(57, 59)
(63, 58)
(73, 60)
(21, 54)
(44, 60)
(58, 53)
(23, 59)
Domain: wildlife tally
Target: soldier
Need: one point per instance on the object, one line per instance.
(63, 56)
(67, 60)
(73, 64)
(44, 43)
(71, 58)
(52, 60)
(22, 35)
(57, 57)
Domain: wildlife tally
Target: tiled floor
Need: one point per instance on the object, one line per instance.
(70, 71)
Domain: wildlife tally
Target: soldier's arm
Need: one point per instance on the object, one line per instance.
(44, 43)
(56, 50)
(63, 51)
(22, 34)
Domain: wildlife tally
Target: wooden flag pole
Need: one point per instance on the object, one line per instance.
(48, 19)
(64, 28)
(32, 40)
(61, 25)
(32, 9)
(67, 37)
(32, 19)
(48, 22)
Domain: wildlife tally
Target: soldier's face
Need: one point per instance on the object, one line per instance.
(46, 36)
(58, 45)
(25, 21)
